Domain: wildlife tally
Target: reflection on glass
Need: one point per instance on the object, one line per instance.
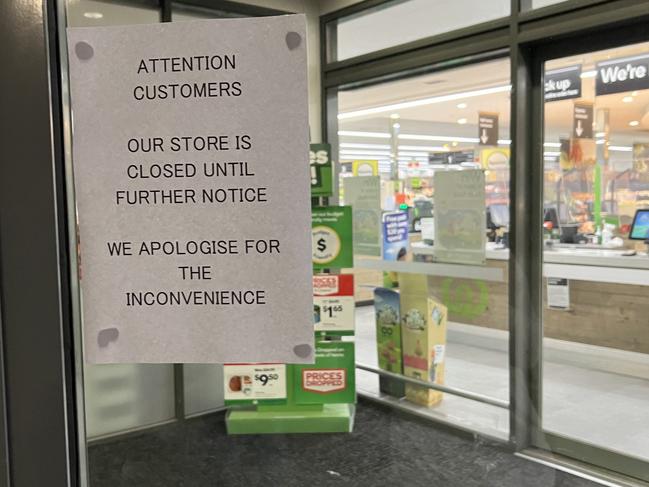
(436, 141)
(410, 20)
(596, 278)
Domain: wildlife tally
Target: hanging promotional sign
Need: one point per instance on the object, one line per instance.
(252, 383)
(460, 216)
(331, 380)
(183, 135)
(563, 83)
(582, 121)
(488, 128)
(365, 168)
(331, 237)
(363, 194)
(395, 235)
(333, 304)
(321, 170)
(620, 75)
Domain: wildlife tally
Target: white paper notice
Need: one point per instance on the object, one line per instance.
(460, 216)
(558, 293)
(192, 195)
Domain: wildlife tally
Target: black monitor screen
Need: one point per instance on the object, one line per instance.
(640, 227)
(550, 215)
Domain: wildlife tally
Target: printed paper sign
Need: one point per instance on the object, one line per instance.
(460, 216)
(558, 293)
(321, 170)
(333, 303)
(248, 383)
(191, 233)
(363, 194)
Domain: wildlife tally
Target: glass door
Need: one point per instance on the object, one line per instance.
(595, 345)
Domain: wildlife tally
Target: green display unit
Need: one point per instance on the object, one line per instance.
(291, 417)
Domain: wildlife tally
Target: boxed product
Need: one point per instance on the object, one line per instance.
(388, 339)
(423, 332)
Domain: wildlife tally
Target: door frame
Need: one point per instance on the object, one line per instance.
(564, 46)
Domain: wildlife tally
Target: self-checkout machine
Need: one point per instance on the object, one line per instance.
(306, 398)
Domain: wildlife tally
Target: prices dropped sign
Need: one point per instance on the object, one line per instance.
(192, 239)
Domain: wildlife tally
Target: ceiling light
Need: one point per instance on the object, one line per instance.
(454, 144)
(634, 93)
(620, 148)
(552, 144)
(600, 141)
(396, 125)
(551, 153)
(394, 116)
(600, 134)
(440, 138)
(461, 121)
(627, 99)
(589, 74)
(354, 152)
(93, 15)
(461, 106)
(424, 101)
(634, 123)
(421, 148)
(349, 145)
(369, 135)
(504, 142)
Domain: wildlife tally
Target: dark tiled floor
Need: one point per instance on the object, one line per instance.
(385, 449)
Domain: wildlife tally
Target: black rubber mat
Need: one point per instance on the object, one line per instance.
(385, 449)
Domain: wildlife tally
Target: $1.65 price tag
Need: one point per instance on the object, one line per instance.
(253, 382)
(333, 303)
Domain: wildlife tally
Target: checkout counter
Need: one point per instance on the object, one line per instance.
(608, 291)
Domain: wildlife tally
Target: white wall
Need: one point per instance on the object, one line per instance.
(312, 10)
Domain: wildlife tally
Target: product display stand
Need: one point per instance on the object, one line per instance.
(291, 417)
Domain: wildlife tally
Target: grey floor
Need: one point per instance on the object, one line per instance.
(610, 410)
(385, 449)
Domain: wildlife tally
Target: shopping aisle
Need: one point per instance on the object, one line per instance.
(580, 391)
(385, 449)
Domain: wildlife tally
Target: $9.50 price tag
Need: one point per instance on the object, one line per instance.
(252, 382)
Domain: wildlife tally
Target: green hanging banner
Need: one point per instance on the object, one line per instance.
(321, 170)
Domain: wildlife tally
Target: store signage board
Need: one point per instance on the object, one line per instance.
(563, 84)
(192, 238)
(460, 216)
(621, 75)
(582, 126)
(488, 128)
(321, 170)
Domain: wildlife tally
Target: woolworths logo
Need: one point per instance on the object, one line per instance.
(619, 75)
